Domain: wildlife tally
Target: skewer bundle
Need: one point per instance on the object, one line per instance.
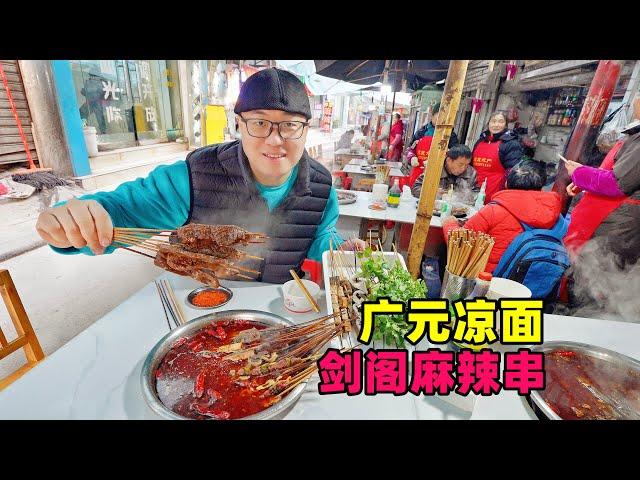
(468, 252)
(382, 173)
(342, 271)
(289, 352)
(204, 252)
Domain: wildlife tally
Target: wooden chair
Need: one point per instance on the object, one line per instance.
(26, 339)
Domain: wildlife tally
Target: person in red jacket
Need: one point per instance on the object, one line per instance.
(418, 151)
(396, 143)
(603, 240)
(496, 151)
(522, 201)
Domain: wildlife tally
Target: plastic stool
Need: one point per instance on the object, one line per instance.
(314, 269)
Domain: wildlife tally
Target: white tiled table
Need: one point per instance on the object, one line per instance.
(96, 375)
(344, 154)
(351, 215)
(354, 169)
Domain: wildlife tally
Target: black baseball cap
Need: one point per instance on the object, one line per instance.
(273, 89)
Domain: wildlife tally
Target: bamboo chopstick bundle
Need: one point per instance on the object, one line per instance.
(468, 252)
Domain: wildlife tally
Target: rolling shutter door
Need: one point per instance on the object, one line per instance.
(11, 146)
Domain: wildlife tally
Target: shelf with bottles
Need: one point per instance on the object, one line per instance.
(568, 98)
(565, 107)
(562, 118)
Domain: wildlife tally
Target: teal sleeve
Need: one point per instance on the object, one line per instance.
(161, 200)
(326, 229)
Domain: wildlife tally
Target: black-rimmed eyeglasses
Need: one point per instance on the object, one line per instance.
(259, 128)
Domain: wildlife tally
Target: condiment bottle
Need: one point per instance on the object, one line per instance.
(393, 199)
(481, 196)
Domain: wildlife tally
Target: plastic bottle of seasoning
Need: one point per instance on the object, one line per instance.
(393, 199)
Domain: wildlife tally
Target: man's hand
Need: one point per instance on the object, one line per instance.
(78, 223)
(415, 162)
(572, 190)
(354, 244)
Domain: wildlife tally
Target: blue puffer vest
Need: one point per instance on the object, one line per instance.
(223, 192)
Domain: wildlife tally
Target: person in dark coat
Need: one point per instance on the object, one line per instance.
(266, 182)
(456, 171)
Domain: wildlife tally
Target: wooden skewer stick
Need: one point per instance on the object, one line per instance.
(141, 237)
(141, 234)
(304, 290)
(140, 240)
(153, 248)
(244, 276)
(298, 382)
(148, 231)
(138, 234)
(241, 269)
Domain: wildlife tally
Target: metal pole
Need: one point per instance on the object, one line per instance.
(588, 124)
(448, 109)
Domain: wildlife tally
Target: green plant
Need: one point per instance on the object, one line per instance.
(392, 281)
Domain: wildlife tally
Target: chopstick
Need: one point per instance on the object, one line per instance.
(304, 290)
(169, 303)
(172, 298)
(166, 304)
(166, 315)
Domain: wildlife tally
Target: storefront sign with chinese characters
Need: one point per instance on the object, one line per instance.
(327, 117)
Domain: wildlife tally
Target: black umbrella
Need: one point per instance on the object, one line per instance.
(418, 73)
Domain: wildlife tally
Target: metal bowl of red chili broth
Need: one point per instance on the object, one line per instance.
(586, 382)
(154, 362)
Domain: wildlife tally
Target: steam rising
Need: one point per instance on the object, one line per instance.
(603, 289)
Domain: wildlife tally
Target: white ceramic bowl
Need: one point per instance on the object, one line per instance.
(294, 298)
(505, 288)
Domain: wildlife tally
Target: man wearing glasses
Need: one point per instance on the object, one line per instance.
(265, 182)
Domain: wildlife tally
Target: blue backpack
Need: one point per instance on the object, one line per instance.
(536, 258)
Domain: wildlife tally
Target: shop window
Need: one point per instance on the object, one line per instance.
(129, 102)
